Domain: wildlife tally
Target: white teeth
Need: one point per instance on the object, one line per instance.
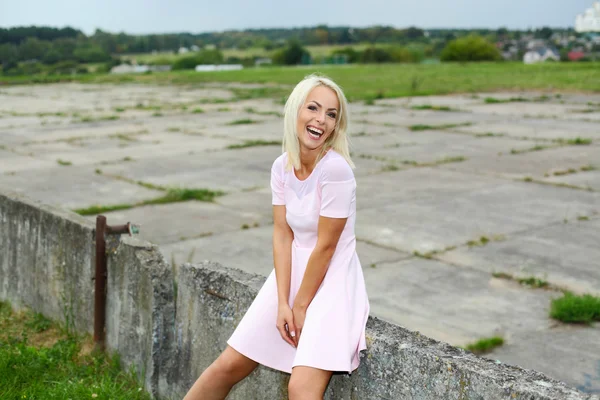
(314, 131)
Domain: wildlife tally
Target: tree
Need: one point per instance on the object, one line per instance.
(544, 33)
(8, 53)
(470, 48)
(33, 49)
(413, 33)
(292, 54)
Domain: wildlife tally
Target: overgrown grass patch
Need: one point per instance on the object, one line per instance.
(574, 142)
(572, 308)
(485, 345)
(172, 195)
(254, 143)
(41, 360)
(493, 100)
(243, 121)
(423, 127)
(432, 108)
(251, 110)
(489, 134)
(531, 281)
(534, 148)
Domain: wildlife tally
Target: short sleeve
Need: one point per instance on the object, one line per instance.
(338, 189)
(277, 182)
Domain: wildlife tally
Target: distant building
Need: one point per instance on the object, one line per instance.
(540, 54)
(183, 50)
(138, 69)
(576, 55)
(589, 21)
(263, 61)
(223, 67)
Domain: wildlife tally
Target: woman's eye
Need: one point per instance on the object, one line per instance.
(332, 115)
(313, 108)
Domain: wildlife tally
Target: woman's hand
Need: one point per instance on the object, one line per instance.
(299, 314)
(285, 324)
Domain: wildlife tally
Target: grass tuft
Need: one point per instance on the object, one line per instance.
(421, 127)
(433, 108)
(64, 162)
(244, 121)
(253, 143)
(572, 308)
(485, 345)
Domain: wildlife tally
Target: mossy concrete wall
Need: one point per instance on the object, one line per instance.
(170, 328)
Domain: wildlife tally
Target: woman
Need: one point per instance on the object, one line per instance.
(309, 317)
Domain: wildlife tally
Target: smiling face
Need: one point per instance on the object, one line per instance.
(317, 118)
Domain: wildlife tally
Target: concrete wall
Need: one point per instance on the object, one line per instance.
(171, 330)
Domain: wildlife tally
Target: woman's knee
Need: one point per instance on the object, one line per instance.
(308, 384)
(232, 366)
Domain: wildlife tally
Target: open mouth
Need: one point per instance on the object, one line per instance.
(314, 133)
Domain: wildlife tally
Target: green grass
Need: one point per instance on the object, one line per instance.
(533, 282)
(572, 308)
(64, 162)
(433, 108)
(253, 143)
(172, 195)
(493, 100)
(197, 111)
(574, 142)
(485, 345)
(40, 360)
(421, 127)
(244, 121)
(534, 148)
(361, 82)
(251, 110)
(481, 242)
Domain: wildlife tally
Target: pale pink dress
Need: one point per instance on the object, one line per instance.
(334, 328)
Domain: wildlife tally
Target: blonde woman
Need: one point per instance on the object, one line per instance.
(309, 317)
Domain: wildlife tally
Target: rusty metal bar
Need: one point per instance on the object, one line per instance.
(101, 275)
(100, 283)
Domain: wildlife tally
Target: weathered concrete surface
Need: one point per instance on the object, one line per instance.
(398, 363)
(555, 254)
(169, 333)
(160, 138)
(47, 263)
(140, 309)
(47, 258)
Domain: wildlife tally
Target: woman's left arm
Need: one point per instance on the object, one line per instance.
(338, 197)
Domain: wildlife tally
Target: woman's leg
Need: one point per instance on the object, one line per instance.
(217, 380)
(308, 383)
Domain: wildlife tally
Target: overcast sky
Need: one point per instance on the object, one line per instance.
(196, 16)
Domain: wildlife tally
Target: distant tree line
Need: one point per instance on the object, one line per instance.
(28, 50)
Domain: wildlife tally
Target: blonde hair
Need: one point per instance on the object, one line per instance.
(338, 140)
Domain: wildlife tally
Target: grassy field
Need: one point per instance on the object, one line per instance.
(315, 51)
(364, 82)
(39, 360)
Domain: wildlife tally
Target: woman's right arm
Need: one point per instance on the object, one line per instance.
(282, 259)
(282, 254)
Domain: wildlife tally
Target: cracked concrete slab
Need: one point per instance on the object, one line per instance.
(161, 138)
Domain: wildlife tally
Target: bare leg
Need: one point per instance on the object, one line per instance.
(308, 383)
(217, 380)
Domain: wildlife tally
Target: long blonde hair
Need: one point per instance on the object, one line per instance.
(338, 140)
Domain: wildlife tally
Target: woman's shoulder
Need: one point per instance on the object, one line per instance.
(336, 168)
(279, 163)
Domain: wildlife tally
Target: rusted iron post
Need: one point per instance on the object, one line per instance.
(101, 275)
(100, 283)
